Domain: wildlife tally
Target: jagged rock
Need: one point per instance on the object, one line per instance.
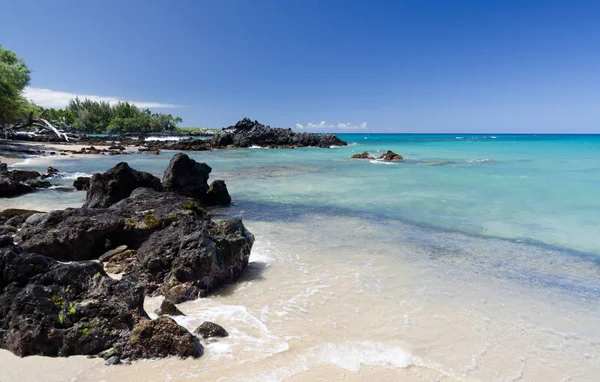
(364, 155)
(57, 309)
(162, 338)
(116, 184)
(82, 183)
(210, 329)
(176, 250)
(184, 261)
(185, 176)
(246, 133)
(3, 168)
(167, 307)
(217, 194)
(74, 234)
(62, 309)
(391, 156)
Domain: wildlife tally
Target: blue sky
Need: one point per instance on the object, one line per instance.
(372, 66)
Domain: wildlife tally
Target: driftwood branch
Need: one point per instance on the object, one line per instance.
(40, 122)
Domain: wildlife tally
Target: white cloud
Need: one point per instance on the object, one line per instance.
(325, 125)
(57, 99)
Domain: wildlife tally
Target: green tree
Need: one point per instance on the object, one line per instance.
(14, 76)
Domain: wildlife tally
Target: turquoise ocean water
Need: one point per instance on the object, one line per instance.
(539, 191)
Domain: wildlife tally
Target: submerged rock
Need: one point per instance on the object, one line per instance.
(246, 133)
(210, 329)
(116, 184)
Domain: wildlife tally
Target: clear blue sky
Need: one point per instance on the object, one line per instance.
(422, 66)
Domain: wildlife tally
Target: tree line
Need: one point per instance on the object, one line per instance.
(87, 116)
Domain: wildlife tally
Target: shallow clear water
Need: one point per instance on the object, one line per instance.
(478, 255)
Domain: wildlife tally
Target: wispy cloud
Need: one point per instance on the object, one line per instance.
(57, 99)
(324, 125)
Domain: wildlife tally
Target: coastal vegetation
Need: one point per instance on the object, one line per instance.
(85, 116)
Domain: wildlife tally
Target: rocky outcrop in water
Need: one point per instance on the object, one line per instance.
(391, 156)
(247, 133)
(116, 184)
(364, 155)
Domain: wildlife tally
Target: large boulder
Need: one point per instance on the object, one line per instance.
(54, 309)
(248, 133)
(61, 309)
(72, 234)
(185, 176)
(116, 184)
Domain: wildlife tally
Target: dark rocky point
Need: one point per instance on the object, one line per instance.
(246, 133)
